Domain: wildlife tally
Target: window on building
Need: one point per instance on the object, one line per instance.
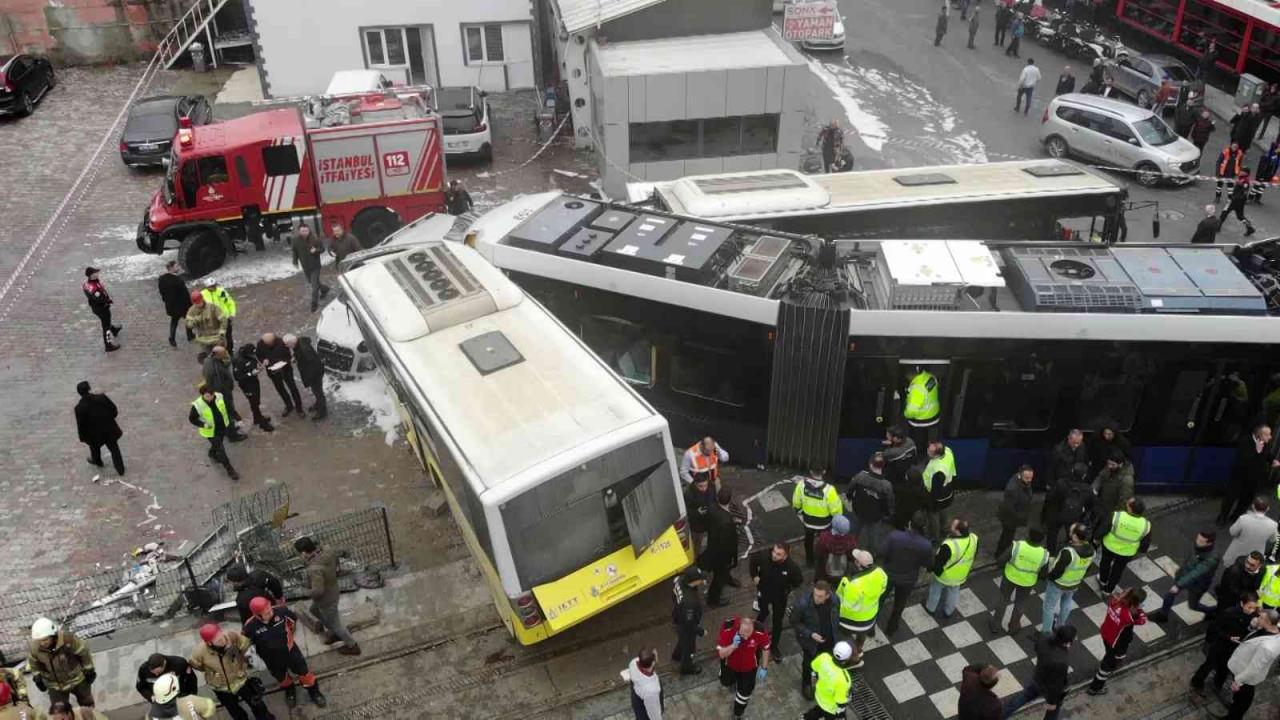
(280, 160)
(484, 43)
(385, 47)
(705, 138)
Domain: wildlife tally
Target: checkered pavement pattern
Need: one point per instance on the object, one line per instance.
(917, 672)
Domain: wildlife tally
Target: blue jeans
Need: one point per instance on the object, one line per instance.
(1058, 604)
(1027, 92)
(948, 595)
(1029, 693)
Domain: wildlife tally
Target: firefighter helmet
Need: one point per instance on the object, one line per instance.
(165, 689)
(43, 628)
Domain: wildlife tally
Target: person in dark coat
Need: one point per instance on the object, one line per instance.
(456, 199)
(245, 369)
(1250, 475)
(1068, 501)
(699, 498)
(1066, 82)
(311, 372)
(1244, 126)
(1003, 15)
(977, 699)
(686, 615)
(815, 618)
(249, 585)
(907, 552)
(1066, 455)
(1207, 229)
(157, 665)
(1207, 60)
(277, 360)
(775, 576)
(1015, 507)
(940, 27)
(973, 25)
(308, 250)
(96, 425)
(176, 298)
(1226, 628)
(219, 376)
(722, 548)
(1269, 103)
(1200, 132)
(1052, 672)
(1102, 442)
(1243, 576)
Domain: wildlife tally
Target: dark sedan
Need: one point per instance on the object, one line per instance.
(24, 80)
(153, 122)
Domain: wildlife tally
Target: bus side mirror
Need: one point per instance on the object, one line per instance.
(1155, 228)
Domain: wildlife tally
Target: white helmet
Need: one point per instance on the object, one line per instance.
(843, 651)
(165, 689)
(43, 628)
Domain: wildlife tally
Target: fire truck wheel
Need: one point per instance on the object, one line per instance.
(373, 225)
(201, 252)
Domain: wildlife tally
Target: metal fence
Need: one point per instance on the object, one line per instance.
(250, 530)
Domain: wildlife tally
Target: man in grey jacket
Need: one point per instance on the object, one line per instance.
(218, 375)
(1252, 661)
(322, 581)
(1251, 531)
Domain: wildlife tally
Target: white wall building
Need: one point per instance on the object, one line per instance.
(487, 43)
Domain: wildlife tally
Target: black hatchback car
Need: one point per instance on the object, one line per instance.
(24, 80)
(152, 123)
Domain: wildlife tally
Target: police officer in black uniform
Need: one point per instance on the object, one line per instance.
(687, 616)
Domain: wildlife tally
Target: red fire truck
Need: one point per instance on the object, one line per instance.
(370, 162)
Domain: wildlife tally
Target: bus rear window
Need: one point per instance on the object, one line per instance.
(624, 497)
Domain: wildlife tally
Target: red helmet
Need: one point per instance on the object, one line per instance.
(196, 297)
(259, 605)
(209, 632)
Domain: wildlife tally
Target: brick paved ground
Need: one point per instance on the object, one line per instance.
(57, 520)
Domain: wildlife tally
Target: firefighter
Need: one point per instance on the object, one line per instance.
(922, 407)
(859, 596)
(207, 322)
(249, 585)
(100, 303)
(271, 630)
(832, 683)
(221, 657)
(703, 456)
(218, 295)
(60, 664)
(816, 501)
(939, 472)
(17, 683)
(166, 703)
(16, 708)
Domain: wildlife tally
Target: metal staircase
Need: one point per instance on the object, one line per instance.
(189, 27)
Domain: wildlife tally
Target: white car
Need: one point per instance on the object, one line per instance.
(465, 112)
(832, 44)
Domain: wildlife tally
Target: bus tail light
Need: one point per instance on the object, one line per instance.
(682, 529)
(1045, 118)
(527, 608)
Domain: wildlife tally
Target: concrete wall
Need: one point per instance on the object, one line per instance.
(618, 102)
(86, 31)
(675, 18)
(302, 42)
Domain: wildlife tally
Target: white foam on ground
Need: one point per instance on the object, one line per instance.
(372, 393)
(871, 131)
(246, 269)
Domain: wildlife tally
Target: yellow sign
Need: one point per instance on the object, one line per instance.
(609, 580)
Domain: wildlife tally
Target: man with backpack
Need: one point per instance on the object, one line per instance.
(871, 503)
(1070, 500)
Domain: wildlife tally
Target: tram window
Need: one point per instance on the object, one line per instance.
(1181, 398)
(708, 373)
(1109, 397)
(868, 405)
(1228, 416)
(1025, 394)
(622, 345)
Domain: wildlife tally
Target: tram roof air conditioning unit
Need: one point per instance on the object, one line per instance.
(1072, 279)
(933, 274)
(756, 271)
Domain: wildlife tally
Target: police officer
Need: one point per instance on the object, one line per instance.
(922, 406)
(209, 416)
(832, 683)
(816, 501)
(951, 566)
(686, 614)
(218, 295)
(100, 303)
(1065, 575)
(859, 595)
(1269, 590)
(170, 701)
(939, 472)
(1024, 562)
(245, 369)
(775, 575)
(1124, 534)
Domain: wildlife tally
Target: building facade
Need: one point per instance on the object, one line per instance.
(667, 88)
(486, 43)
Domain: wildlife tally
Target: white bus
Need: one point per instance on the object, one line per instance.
(560, 476)
(1019, 200)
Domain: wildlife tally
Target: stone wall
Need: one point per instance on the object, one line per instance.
(73, 32)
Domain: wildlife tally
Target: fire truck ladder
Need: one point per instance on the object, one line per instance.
(189, 27)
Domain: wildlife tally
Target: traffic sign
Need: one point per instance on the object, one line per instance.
(813, 20)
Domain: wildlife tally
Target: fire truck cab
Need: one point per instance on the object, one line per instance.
(369, 162)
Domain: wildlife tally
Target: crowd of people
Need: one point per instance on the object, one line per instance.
(62, 665)
(868, 542)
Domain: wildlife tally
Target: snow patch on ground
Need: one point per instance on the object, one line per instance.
(871, 131)
(246, 269)
(372, 393)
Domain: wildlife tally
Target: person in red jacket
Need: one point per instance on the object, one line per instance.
(744, 658)
(100, 303)
(1124, 611)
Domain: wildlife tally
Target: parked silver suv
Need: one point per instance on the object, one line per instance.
(1116, 134)
(1140, 76)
